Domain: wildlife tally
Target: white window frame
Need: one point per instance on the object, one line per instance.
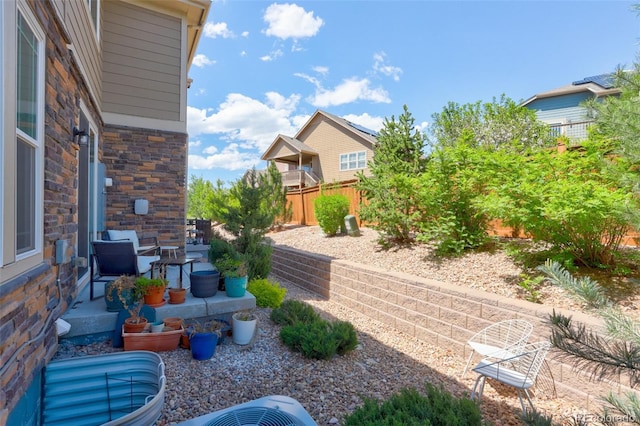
(12, 264)
(359, 163)
(90, 4)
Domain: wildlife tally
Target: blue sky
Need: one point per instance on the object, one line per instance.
(262, 68)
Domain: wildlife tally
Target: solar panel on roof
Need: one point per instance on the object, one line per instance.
(604, 80)
(362, 129)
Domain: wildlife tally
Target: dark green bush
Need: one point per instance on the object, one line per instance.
(305, 332)
(410, 408)
(258, 257)
(345, 336)
(268, 294)
(330, 211)
(218, 248)
(313, 340)
(293, 311)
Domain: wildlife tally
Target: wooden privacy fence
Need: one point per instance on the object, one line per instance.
(303, 213)
(302, 200)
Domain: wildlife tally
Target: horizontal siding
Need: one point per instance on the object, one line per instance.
(329, 140)
(562, 115)
(559, 102)
(77, 21)
(142, 62)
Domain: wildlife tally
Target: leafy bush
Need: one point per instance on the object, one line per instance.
(454, 178)
(330, 211)
(580, 201)
(410, 408)
(293, 311)
(268, 294)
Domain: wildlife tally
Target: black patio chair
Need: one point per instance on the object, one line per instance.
(116, 258)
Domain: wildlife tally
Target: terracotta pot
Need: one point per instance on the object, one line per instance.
(134, 325)
(154, 297)
(184, 341)
(177, 295)
(173, 322)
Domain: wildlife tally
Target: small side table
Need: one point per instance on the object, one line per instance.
(161, 266)
(171, 250)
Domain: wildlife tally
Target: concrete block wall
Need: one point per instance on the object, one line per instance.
(438, 313)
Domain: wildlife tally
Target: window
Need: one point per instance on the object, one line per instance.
(22, 146)
(353, 161)
(94, 7)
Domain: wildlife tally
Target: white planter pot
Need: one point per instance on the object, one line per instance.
(243, 331)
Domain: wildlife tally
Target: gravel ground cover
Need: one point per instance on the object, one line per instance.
(384, 362)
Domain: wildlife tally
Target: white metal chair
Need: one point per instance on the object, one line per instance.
(500, 340)
(519, 371)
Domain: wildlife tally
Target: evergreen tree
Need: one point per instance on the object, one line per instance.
(388, 199)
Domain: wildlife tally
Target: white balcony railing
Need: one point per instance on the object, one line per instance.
(294, 177)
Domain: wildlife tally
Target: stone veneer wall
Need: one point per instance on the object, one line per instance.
(435, 312)
(31, 301)
(147, 164)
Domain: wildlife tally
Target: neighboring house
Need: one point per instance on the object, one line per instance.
(562, 108)
(93, 117)
(326, 149)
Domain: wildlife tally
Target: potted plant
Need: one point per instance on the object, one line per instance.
(152, 290)
(234, 271)
(120, 293)
(244, 327)
(203, 338)
(177, 295)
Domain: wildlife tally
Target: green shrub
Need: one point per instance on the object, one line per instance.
(410, 408)
(305, 332)
(218, 248)
(268, 294)
(258, 258)
(345, 336)
(330, 211)
(313, 340)
(293, 311)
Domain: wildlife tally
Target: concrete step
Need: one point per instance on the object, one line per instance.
(90, 321)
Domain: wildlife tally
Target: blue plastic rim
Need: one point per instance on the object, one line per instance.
(203, 345)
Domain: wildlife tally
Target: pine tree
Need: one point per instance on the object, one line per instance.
(389, 201)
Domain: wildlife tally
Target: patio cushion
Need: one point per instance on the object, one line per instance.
(125, 235)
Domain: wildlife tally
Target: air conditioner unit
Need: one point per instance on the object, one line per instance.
(274, 410)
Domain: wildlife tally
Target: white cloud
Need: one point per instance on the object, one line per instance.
(245, 34)
(350, 90)
(388, 70)
(230, 158)
(271, 56)
(201, 60)
(194, 144)
(291, 21)
(321, 70)
(246, 122)
(366, 120)
(422, 127)
(216, 30)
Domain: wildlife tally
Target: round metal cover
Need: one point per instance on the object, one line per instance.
(256, 416)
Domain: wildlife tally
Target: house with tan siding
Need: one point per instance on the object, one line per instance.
(93, 117)
(326, 149)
